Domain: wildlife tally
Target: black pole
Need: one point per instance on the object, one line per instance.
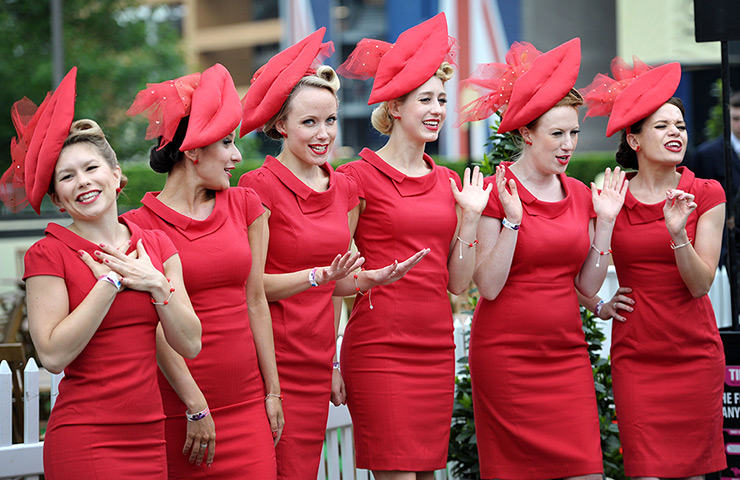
(57, 43)
(730, 210)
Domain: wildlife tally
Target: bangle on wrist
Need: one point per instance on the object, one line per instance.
(113, 278)
(278, 395)
(167, 300)
(598, 307)
(508, 224)
(676, 247)
(335, 366)
(312, 277)
(369, 291)
(194, 417)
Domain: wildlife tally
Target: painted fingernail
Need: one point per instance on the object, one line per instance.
(102, 245)
(98, 253)
(80, 252)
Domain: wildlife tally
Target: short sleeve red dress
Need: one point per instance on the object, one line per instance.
(108, 410)
(398, 358)
(668, 363)
(533, 389)
(216, 260)
(307, 229)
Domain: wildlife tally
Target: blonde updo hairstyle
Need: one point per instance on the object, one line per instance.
(88, 131)
(572, 99)
(382, 119)
(325, 77)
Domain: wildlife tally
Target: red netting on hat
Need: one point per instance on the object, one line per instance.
(601, 93)
(164, 105)
(453, 52)
(12, 183)
(495, 81)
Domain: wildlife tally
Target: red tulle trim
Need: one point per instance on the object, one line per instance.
(164, 105)
(601, 93)
(13, 183)
(495, 82)
(363, 62)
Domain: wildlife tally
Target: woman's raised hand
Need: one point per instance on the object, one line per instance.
(676, 210)
(509, 198)
(473, 197)
(609, 201)
(136, 268)
(394, 271)
(340, 267)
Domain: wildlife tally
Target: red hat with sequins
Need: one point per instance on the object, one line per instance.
(528, 85)
(633, 94)
(272, 83)
(210, 99)
(35, 151)
(401, 67)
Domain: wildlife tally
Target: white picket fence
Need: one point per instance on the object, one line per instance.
(26, 459)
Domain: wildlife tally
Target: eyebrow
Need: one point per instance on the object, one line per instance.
(85, 164)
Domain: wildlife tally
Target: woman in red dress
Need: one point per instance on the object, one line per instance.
(542, 237)
(96, 291)
(667, 357)
(307, 204)
(397, 356)
(232, 387)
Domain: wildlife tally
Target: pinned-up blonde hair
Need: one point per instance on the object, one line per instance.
(325, 77)
(382, 119)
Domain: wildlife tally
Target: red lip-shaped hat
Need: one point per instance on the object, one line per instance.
(633, 94)
(405, 65)
(548, 81)
(214, 112)
(35, 151)
(273, 82)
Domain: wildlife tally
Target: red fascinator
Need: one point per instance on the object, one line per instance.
(633, 94)
(529, 84)
(210, 99)
(405, 65)
(35, 151)
(272, 83)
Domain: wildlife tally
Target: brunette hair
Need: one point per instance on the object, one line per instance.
(382, 120)
(162, 160)
(626, 156)
(88, 131)
(325, 77)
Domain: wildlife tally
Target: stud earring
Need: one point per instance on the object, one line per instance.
(397, 118)
(195, 162)
(637, 148)
(283, 134)
(118, 190)
(62, 210)
(527, 142)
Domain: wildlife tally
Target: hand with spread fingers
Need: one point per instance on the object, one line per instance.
(608, 202)
(392, 272)
(473, 197)
(136, 269)
(509, 198)
(340, 267)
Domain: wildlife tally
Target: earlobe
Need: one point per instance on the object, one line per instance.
(192, 155)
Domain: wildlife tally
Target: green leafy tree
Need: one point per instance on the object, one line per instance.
(117, 45)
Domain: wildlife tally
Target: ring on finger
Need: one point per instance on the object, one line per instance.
(203, 445)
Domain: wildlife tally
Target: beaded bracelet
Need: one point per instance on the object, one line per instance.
(278, 395)
(312, 277)
(172, 291)
(601, 254)
(676, 247)
(194, 417)
(469, 244)
(369, 291)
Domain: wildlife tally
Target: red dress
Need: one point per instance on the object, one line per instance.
(307, 229)
(398, 359)
(216, 260)
(533, 389)
(108, 411)
(668, 363)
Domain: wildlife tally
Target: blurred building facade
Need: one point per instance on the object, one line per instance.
(244, 34)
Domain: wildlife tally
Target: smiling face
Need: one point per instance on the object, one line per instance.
(553, 139)
(216, 161)
(84, 183)
(663, 136)
(422, 112)
(310, 126)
